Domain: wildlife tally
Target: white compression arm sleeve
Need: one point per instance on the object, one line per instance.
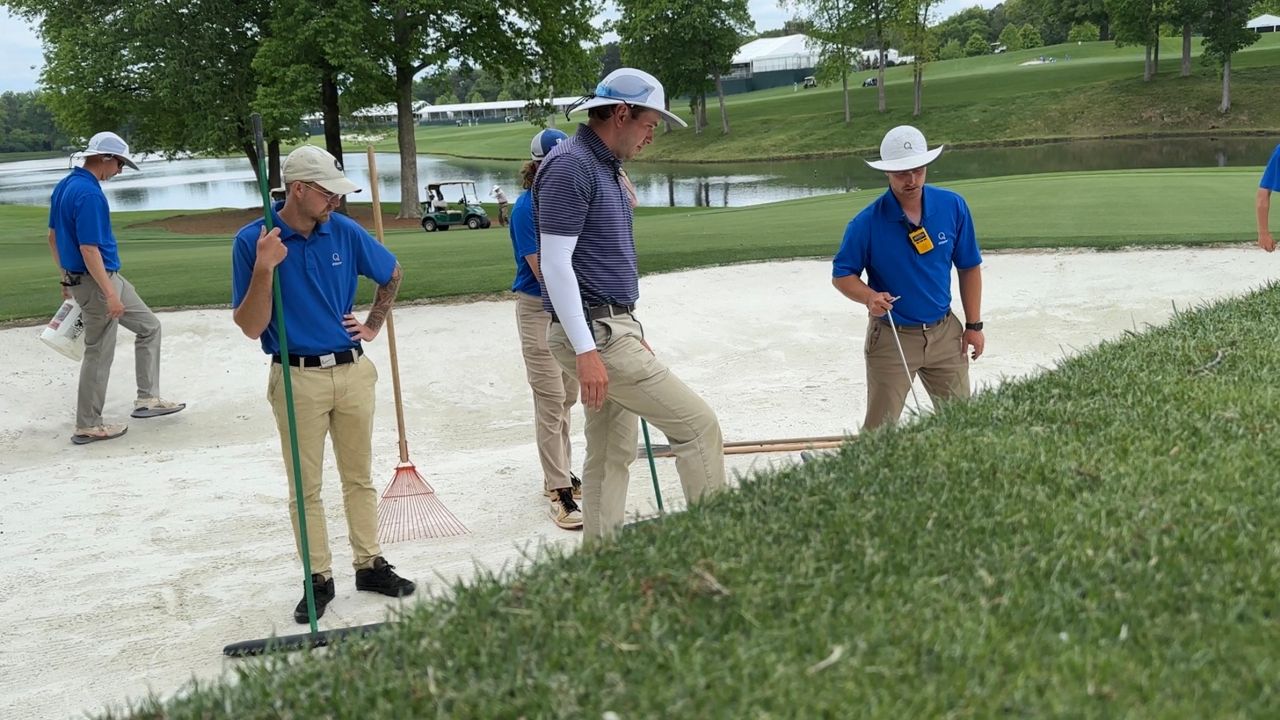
(562, 287)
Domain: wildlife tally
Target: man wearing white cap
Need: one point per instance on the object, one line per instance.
(320, 256)
(84, 248)
(591, 287)
(907, 242)
(503, 202)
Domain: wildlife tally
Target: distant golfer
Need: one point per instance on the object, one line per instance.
(591, 286)
(907, 242)
(503, 203)
(85, 251)
(554, 389)
(1270, 183)
(320, 256)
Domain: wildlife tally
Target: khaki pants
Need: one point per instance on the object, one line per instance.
(338, 402)
(639, 385)
(554, 392)
(936, 354)
(100, 345)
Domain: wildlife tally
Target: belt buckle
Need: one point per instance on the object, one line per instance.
(328, 361)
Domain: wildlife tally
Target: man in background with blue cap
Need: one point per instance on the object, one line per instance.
(84, 248)
(591, 286)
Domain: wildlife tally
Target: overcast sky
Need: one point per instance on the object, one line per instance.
(21, 60)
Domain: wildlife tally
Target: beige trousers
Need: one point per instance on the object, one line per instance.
(554, 392)
(936, 354)
(100, 345)
(336, 402)
(639, 386)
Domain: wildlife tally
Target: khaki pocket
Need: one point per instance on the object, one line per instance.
(874, 327)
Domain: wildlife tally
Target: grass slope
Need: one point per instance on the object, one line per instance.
(1099, 541)
(993, 98)
(1103, 209)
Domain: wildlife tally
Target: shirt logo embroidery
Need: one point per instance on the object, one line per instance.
(942, 238)
(337, 260)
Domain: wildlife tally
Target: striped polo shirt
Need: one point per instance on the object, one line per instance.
(578, 192)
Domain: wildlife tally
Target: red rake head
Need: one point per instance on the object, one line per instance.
(411, 510)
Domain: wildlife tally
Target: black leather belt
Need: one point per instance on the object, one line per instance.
(323, 361)
(927, 326)
(596, 312)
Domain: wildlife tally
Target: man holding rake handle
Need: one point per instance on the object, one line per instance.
(907, 242)
(319, 255)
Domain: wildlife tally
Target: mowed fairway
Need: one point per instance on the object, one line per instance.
(994, 98)
(1105, 209)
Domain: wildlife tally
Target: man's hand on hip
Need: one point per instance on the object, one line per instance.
(593, 379)
(974, 343)
(358, 330)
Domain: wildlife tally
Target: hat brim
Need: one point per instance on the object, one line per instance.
(666, 114)
(341, 186)
(910, 162)
(123, 159)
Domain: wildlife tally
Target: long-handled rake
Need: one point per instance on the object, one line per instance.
(903, 356)
(409, 508)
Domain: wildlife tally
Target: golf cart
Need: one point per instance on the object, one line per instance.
(810, 82)
(463, 207)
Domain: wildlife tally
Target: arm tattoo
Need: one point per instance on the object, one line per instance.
(382, 301)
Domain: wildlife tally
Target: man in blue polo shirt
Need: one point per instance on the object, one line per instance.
(319, 255)
(84, 249)
(554, 390)
(1270, 183)
(907, 241)
(591, 286)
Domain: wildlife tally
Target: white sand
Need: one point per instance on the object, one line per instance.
(127, 565)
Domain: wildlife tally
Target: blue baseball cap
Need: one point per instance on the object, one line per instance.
(544, 141)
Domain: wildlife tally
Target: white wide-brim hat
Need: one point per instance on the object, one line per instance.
(629, 86)
(108, 143)
(904, 148)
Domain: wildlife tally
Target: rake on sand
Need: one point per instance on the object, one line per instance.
(409, 508)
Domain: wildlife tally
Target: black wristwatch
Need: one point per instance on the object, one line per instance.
(973, 326)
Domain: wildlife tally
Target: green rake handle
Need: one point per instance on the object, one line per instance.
(288, 380)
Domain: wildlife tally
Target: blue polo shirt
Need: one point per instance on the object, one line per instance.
(78, 215)
(1271, 176)
(876, 241)
(578, 192)
(524, 241)
(317, 280)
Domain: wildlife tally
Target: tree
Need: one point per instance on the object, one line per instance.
(953, 50)
(1137, 22)
(610, 55)
(1224, 35)
(1187, 15)
(961, 26)
(879, 16)
(1083, 32)
(1011, 38)
(1031, 38)
(977, 45)
(921, 43)
(1073, 12)
(833, 28)
(26, 125)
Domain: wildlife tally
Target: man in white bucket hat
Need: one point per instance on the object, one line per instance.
(907, 241)
(591, 287)
(85, 250)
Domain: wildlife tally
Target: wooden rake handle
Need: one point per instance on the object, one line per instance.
(391, 327)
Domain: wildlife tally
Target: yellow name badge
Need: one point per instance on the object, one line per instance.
(920, 240)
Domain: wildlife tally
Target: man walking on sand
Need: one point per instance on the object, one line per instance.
(320, 256)
(85, 251)
(591, 287)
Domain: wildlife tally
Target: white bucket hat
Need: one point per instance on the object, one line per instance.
(109, 143)
(904, 148)
(629, 86)
(311, 163)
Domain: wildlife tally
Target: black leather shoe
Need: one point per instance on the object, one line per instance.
(323, 590)
(381, 578)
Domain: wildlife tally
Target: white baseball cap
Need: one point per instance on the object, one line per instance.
(904, 148)
(629, 86)
(109, 143)
(311, 163)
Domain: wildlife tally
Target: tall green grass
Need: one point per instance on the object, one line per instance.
(1098, 541)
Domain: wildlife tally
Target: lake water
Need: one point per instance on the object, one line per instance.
(229, 182)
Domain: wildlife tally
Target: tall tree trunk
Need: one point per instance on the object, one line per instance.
(1104, 28)
(1186, 50)
(666, 124)
(332, 122)
(697, 118)
(1146, 65)
(919, 88)
(1155, 56)
(844, 85)
(406, 127)
(273, 164)
(724, 114)
(880, 76)
(702, 109)
(671, 191)
(1226, 86)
